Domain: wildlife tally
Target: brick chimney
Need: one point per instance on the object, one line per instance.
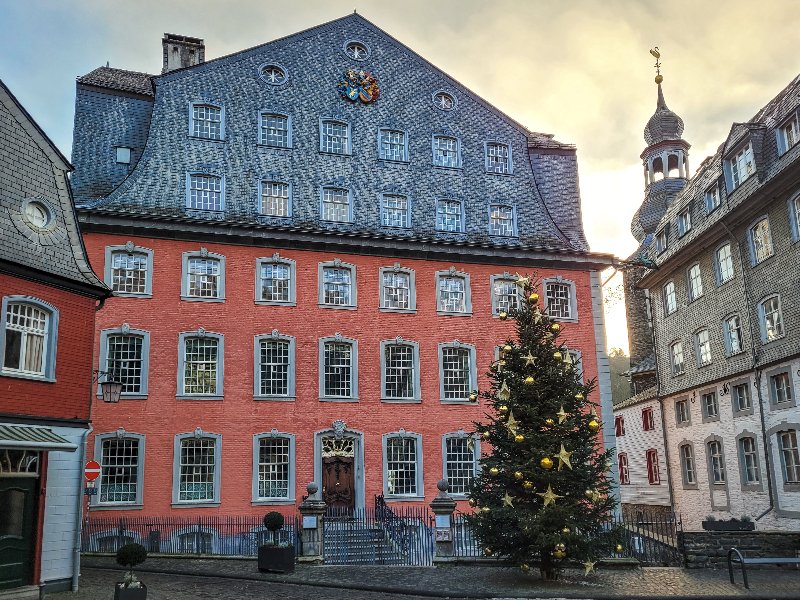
(182, 51)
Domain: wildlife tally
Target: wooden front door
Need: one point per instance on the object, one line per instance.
(17, 506)
(338, 481)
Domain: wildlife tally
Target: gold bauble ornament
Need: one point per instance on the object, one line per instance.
(561, 546)
(494, 471)
(518, 475)
(588, 493)
(557, 355)
(485, 509)
(549, 422)
(555, 327)
(533, 298)
(473, 397)
(528, 485)
(593, 426)
(659, 78)
(524, 567)
(503, 315)
(559, 555)
(501, 363)
(507, 348)
(502, 409)
(530, 380)
(546, 463)
(473, 503)
(619, 549)
(519, 438)
(487, 551)
(579, 396)
(486, 435)
(566, 531)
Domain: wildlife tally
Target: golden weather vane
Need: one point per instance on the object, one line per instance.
(657, 55)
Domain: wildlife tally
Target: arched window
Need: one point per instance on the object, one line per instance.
(28, 337)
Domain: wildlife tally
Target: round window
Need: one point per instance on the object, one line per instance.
(273, 74)
(444, 101)
(356, 50)
(37, 214)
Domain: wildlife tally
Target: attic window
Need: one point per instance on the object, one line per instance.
(274, 74)
(356, 50)
(37, 215)
(444, 101)
(742, 165)
(123, 155)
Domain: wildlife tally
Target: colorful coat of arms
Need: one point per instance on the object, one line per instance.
(359, 85)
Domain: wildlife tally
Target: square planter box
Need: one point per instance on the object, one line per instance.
(729, 525)
(276, 559)
(122, 593)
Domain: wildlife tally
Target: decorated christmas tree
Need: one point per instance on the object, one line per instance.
(542, 493)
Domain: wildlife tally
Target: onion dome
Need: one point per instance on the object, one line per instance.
(664, 124)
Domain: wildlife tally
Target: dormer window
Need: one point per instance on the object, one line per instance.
(742, 165)
(712, 199)
(788, 135)
(684, 222)
(661, 241)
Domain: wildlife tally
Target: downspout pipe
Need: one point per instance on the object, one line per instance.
(76, 551)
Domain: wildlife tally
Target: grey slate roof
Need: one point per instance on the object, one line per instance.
(120, 79)
(32, 168)
(644, 395)
(646, 365)
(664, 124)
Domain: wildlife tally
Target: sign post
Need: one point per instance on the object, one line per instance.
(91, 472)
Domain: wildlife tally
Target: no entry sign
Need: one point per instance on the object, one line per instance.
(92, 470)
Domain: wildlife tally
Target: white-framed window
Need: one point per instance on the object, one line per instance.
(392, 145)
(684, 221)
(498, 158)
(771, 319)
(338, 368)
(724, 264)
(356, 50)
(661, 241)
(273, 468)
(274, 361)
(398, 289)
(788, 135)
(624, 473)
(275, 281)
(400, 371)
(502, 220)
(200, 364)
(710, 405)
(336, 205)
(732, 331)
(28, 338)
(712, 198)
(205, 192)
(458, 376)
(125, 354)
(703, 348)
(129, 270)
(760, 240)
(682, 414)
(334, 137)
(275, 130)
(505, 293)
(121, 458)
(741, 397)
(402, 459)
(444, 101)
(653, 474)
(794, 216)
(196, 470)
(453, 293)
(695, 283)
(274, 198)
(337, 284)
(790, 456)
(748, 459)
(203, 276)
(446, 151)
(449, 216)
(676, 351)
(648, 422)
(207, 122)
(460, 453)
(670, 301)
(395, 210)
(687, 464)
(273, 74)
(780, 388)
(716, 462)
(559, 299)
(741, 165)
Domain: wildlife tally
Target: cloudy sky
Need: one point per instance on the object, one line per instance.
(577, 68)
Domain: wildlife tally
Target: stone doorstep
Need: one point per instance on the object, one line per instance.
(28, 591)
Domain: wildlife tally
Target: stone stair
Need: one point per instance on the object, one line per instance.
(353, 542)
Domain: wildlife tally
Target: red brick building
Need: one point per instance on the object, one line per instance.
(48, 299)
(308, 285)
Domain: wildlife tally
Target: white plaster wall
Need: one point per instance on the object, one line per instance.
(64, 471)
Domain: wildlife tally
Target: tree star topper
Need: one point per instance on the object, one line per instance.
(549, 495)
(563, 458)
(359, 85)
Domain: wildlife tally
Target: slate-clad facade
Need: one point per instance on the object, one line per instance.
(359, 289)
(726, 294)
(48, 298)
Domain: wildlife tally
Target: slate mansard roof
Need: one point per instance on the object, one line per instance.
(33, 169)
(543, 187)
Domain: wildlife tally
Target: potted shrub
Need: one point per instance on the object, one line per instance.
(274, 556)
(130, 588)
(734, 524)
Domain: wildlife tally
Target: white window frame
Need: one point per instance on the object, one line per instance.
(727, 335)
(291, 380)
(745, 468)
(462, 219)
(762, 320)
(126, 330)
(709, 405)
(694, 285)
(505, 278)
(412, 290)
(476, 453)
(766, 244)
(464, 276)
(220, 379)
(49, 344)
(129, 249)
(513, 210)
(176, 464)
(381, 156)
(339, 339)
(718, 270)
(214, 105)
(716, 463)
(789, 478)
(789, 127)
(338, 188)
(702, 347)
(266, 113)
(276, 259)
(688, 465)
(217, 176)
(437, 136)
(661, 241)
(257, 499)
(677, 368)
(793, 206)
(260, 198)
(205, 255)
(683, 412)
(573, 300)
(384, 210)
(418, 461)
(510, 164)
(713, 198)
(120, 434)
(415, 383)
(473, 371)
(684, 221)
(741, 158)
(670, 298)
(337, 264)
(348, 150)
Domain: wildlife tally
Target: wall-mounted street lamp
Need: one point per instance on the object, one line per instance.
(110, 388)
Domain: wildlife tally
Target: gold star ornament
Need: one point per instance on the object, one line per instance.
(588, 566)
(522, 281)
(508, 500)
(530, 359)
(562, 416)
(511, 424)
(563, 458)
(549, 496)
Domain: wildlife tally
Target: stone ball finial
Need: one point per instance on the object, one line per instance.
(443, 485)
(312, 488)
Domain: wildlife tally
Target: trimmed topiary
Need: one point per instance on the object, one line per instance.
(131, 555)
(273, 521)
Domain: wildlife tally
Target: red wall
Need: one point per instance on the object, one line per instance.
(68, 397)
(238, 416)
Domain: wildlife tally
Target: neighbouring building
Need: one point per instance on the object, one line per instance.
(723, 310)
(48, 296)
(309, 244)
